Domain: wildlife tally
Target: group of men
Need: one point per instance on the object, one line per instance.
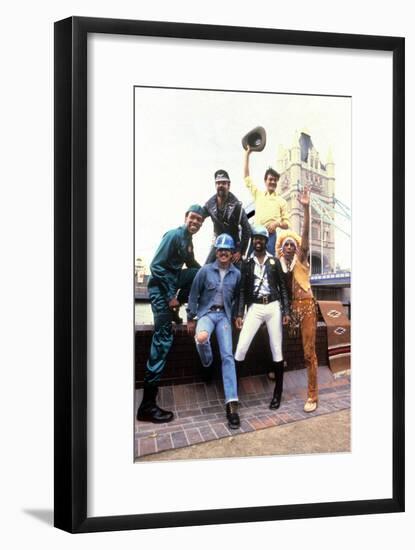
(251, 276)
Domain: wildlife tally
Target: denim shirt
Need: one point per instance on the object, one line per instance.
(204, 287)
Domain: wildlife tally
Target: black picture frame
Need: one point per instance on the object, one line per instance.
(70, 173)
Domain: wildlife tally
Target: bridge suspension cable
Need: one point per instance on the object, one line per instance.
(326, 213)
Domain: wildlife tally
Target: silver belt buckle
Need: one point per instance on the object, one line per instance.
(265, 300)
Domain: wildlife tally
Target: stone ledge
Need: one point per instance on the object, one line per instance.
(183, 364)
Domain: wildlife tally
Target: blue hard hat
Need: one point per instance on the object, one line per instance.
(224, 241)
(260, 231)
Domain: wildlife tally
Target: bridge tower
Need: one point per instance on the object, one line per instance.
(300, 165)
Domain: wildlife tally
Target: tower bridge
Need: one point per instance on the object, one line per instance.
(301, 165)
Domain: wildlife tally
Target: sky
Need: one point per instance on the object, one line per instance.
(183, 136)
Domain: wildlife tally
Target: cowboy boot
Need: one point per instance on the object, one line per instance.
(279, 377)
(149, 411)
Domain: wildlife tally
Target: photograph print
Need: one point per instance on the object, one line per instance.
(242, 282)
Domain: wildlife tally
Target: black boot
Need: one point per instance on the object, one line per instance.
(149, 411)
(239, 369)
(232, 415)
(279, 377)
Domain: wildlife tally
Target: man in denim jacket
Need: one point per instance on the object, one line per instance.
(211, 300)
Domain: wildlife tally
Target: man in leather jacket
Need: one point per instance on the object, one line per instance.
(263, 291)
(228, 216)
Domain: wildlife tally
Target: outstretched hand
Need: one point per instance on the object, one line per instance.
(304, 197)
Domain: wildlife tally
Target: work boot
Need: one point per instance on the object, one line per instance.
(149, 411)
(279, 377)
(232, 415)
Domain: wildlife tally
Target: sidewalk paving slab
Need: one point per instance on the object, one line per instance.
(200, 411)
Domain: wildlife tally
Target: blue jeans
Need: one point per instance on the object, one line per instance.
(271, 243)
(208, 323)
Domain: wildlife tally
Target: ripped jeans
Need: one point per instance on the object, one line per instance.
(217, 320)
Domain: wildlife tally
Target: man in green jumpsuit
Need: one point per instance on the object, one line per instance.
(168, 287)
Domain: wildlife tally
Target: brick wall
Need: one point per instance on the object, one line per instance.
(183, 364)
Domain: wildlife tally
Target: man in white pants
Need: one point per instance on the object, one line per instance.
(264, 293)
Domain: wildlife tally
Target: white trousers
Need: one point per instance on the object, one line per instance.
(256, 315)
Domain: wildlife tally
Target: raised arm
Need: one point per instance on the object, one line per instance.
(247, 178)
(305, 235)
(247, 152)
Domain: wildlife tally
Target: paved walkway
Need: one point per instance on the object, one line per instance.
(200, 412)
(327, 433)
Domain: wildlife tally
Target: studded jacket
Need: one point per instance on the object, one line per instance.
(233, 217)
(276, 283)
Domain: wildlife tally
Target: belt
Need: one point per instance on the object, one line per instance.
(217, 308)
(265, 299)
